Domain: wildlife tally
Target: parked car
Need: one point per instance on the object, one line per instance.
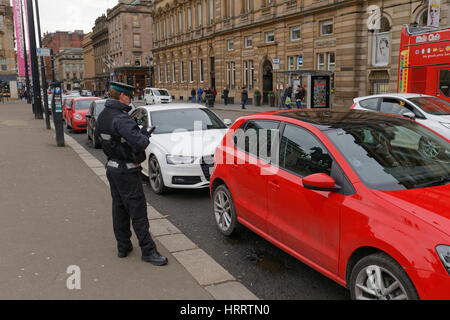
(182, 147)
(429, 111)
(339, 192)
(96, 107)
(76, 113)
(66, 101)
(157, 96)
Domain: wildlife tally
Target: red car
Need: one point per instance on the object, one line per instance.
(76, 113)
(361, 197)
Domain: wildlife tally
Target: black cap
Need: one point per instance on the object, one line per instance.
(122, 87)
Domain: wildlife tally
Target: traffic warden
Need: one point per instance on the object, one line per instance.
(124, 144)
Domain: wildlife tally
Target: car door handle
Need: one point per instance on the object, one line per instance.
(274, 185)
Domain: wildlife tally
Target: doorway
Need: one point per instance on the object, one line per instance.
(213, 72)
(267, 80)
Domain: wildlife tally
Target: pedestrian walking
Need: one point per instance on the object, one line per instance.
(214, 93)
(225, 94)
(124, 144)
(244, 97)
(200, 95)
(300, 96)
(193, 95)
(287, 96)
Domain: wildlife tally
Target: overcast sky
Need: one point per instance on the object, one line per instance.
(70, 15)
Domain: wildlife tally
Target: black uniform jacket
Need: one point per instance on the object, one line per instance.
(128, 143)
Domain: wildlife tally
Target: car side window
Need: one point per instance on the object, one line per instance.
(256, 137)
(302, 153)
(371, 104)
(393, 106)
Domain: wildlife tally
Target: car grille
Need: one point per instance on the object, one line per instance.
(206, 164)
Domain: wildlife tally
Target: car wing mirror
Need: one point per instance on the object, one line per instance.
(409, 115)
(321, 182)
(227, 122)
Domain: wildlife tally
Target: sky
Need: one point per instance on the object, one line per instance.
(71, 15)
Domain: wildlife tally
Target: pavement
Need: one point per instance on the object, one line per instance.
(56, 225)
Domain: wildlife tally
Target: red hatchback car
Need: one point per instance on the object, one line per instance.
(76, 113)
(363, 198)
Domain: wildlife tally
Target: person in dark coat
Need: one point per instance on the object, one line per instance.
(124, 144)
(193, 95)
(300, 96)
(287, 94)
(244, 97)
(225, 94)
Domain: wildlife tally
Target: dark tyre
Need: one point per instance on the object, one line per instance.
(96, 140)
(379, 277)
(224, 211)
(155, 176)
(87, 133)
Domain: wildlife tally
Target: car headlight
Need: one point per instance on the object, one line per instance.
(177, 160)
(444, 253)
(447, 125)
(78, 117)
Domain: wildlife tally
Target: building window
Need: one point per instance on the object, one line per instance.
(174, 78)
(270, 37)
(321, 61)
(137, 40)
(191, 71)
(326, 27)
(180, 22)
(230, 45)
(136, 23)
(189, 18)
(248, 42)
(233, 75)
(137, 62)
(245, 74)
(165, 28)
(200, 15)
(331, 61)
(295, 33)
(166, 73)
(295, 62)
(228, 75)
(182, 72)
(211, 11)
(201, 69)
(4, 64)
(159, 74)
(252, 74)
(172, 26)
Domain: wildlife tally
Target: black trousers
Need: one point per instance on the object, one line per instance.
(128, 202)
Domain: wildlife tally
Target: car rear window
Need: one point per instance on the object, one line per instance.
(371, 104)
(82, 104)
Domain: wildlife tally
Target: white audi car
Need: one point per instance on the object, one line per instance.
(182, 147)
(429, 111)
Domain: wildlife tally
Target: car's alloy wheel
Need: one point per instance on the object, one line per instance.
(155, 176)
(428, 148)
(224, 211)
(379, 277)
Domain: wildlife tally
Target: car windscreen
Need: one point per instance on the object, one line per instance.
(432, 105)
(82, 104)
(397, 155)
(169, 121)
(161, 93)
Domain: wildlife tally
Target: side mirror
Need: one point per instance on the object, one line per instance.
(88, 116)
(321, 182)
(409, 115)
(228, 122)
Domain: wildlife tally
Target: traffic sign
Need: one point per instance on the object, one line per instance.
(43, 52)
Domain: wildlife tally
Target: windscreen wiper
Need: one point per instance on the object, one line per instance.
(438, 182)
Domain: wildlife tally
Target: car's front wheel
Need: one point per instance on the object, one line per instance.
(224, 211)
(155, 176)
(379, 277)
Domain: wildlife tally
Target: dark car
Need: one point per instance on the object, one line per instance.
(91, 120)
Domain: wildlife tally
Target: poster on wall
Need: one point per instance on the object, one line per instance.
(382, 44)
(320, 93)
(434, 12)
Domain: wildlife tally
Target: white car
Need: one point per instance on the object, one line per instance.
(182, 147)
(157, 96)
(429, 111)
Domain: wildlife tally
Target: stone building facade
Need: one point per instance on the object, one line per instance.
(100, 44)
(235, 44)
(130, 42)
(58, 41)
(8, 57)
(88, 82)
(69, 68)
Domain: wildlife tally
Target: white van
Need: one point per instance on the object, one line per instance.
(157, 96)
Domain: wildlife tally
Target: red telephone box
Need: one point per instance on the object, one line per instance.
(424, 62)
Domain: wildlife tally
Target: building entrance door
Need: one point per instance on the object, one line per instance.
(213, 72)
(267, 80)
